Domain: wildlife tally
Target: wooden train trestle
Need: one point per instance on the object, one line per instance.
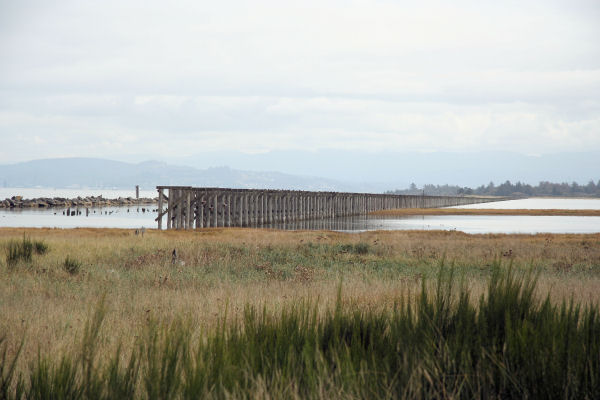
(188, 207)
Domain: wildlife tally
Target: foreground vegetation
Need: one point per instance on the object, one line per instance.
(271, 314)
(507, 345)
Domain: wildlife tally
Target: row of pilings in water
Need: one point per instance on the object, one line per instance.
(193, 208)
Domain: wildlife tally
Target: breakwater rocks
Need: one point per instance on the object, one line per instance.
(90, 201)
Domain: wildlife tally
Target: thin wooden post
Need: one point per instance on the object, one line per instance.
(239, 207)
(170, 209)
(263, 207)
(208, 216)
(198, 208)
(215, 209)
(160, 208)
(222, 207)
(229, 210)
(188, 208)
(178, 213)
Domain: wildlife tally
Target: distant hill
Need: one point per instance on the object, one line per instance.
(334, 170)
(388, 169)
(101, 173)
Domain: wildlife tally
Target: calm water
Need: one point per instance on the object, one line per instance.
(479, 224)
(101, 217)
(133, 217)
(543, 203)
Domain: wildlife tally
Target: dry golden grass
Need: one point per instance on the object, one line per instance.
(484, 211)
(218, 269)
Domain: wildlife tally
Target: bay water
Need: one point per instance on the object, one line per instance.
(134, 217)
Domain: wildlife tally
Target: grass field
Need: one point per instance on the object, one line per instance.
(270, 314)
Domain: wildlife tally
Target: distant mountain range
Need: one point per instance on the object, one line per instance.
(101, 173)
(335, 170)
(388, 170)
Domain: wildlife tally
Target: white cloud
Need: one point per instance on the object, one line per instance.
(117, 78)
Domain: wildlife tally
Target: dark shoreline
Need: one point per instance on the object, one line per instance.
(89, 201)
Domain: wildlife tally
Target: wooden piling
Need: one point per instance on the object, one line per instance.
(188, 207)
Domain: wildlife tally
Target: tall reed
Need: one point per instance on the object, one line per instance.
(23, 250)
(506, 344)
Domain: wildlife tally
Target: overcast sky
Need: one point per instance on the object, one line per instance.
(136, 80)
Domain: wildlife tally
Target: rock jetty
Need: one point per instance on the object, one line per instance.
(90, 201)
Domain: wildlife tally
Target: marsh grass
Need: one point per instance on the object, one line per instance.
(19, 251)
(505, 344)
(8, 367)
(236, 269)
(23, 250)
(71, 265)
(357, 248)
(40, 247)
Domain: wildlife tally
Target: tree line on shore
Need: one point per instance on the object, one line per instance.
(544, 188)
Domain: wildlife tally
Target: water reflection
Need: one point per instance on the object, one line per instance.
(79, 217)
(467, 224)
(138, 217)
(536, 203)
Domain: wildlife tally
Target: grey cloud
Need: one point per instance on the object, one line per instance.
(118, 78)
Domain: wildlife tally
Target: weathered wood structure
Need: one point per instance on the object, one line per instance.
(193, 208)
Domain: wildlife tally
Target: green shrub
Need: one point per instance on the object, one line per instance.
(40, 247)
(359, 248)
(23, 250)
(12, 253)
(19, 250)
(71, 265)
